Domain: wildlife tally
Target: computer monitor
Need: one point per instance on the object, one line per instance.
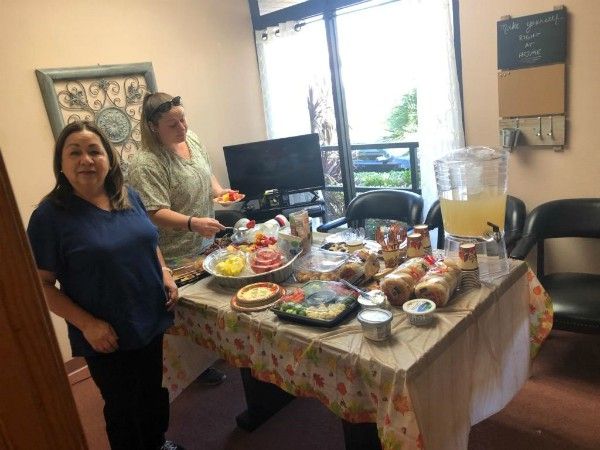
(291, 164)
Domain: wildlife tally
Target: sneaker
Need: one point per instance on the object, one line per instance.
(212, 377)
(170, 445)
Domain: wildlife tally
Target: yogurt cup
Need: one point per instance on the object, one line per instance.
(376, 323)
(419, 311)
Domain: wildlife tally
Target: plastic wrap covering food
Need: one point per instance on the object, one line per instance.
(319, 265)
(398, 286)
(265, 260)
(440, 282)
(357, 267)
(361, 266)
(323, 303)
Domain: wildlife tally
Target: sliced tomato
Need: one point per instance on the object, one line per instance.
(295, 295)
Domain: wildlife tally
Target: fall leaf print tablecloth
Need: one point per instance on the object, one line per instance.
(423, 388)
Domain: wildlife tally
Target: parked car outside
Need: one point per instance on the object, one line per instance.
(379, 160)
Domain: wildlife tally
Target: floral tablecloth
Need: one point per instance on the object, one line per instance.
(423, 388)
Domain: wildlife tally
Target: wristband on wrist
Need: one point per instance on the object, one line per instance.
(190, 223)
(165, 268)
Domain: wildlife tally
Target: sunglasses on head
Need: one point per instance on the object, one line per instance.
(166, 106)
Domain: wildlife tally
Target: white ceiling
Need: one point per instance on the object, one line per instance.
(268, 6)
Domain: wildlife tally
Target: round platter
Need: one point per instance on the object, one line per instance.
(262, 292)
(278, 275)
(236, 307)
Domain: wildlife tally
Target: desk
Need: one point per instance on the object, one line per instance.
(423, 388)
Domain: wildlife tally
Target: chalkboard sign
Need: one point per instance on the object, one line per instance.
(533, 40)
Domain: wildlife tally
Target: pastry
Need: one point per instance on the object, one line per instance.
(439, 283)
(398, 286)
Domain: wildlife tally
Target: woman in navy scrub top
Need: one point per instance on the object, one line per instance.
(93, 236)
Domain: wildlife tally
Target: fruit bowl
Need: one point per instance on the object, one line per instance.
(247, 276)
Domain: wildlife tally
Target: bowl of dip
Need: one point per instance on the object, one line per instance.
(376, 323)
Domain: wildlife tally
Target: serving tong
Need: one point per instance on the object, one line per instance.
(238, 235)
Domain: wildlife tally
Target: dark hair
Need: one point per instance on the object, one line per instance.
(113, 183)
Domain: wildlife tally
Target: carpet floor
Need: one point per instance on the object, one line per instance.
(557, 409)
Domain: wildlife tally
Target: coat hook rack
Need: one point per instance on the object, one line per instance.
(537, 131)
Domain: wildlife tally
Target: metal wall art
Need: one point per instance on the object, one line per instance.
(111, 96)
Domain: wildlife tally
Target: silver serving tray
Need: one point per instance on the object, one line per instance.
(278, 275)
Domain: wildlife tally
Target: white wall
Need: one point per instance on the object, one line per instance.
(202, 50)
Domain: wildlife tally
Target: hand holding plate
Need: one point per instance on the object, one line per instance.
(229, 198)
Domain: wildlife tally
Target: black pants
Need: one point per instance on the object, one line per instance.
(136, 406)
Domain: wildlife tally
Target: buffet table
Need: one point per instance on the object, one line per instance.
(423, 388)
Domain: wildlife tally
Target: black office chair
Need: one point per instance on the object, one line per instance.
(387, 204)
(575, 296)
(514, 220)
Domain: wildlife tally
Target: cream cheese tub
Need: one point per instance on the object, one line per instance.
(376, 323)
(375, 299)
(419, 311)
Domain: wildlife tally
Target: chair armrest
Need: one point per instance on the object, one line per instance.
(511, 238)
(523, 247)
(331, 225)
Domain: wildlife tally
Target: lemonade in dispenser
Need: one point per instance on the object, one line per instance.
(471, 184)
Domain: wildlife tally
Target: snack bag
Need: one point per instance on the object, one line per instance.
(300, 226)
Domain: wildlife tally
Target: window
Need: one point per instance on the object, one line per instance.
(347, 69)
(380, 92)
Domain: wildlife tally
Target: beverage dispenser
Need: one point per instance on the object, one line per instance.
(471, 184)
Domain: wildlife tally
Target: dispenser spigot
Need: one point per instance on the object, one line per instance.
(496, 234)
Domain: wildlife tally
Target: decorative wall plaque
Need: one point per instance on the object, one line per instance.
(111, 96)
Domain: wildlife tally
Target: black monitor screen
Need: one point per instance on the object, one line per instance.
(290, 164)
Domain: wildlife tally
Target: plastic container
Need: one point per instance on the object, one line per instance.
(419, 311)
(376, 323)
(241, 223)
(376, 299)
(265, 260)
(271, 227)
(325, 304)
(319, 265)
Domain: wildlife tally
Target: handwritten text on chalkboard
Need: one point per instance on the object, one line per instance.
(532, 40)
